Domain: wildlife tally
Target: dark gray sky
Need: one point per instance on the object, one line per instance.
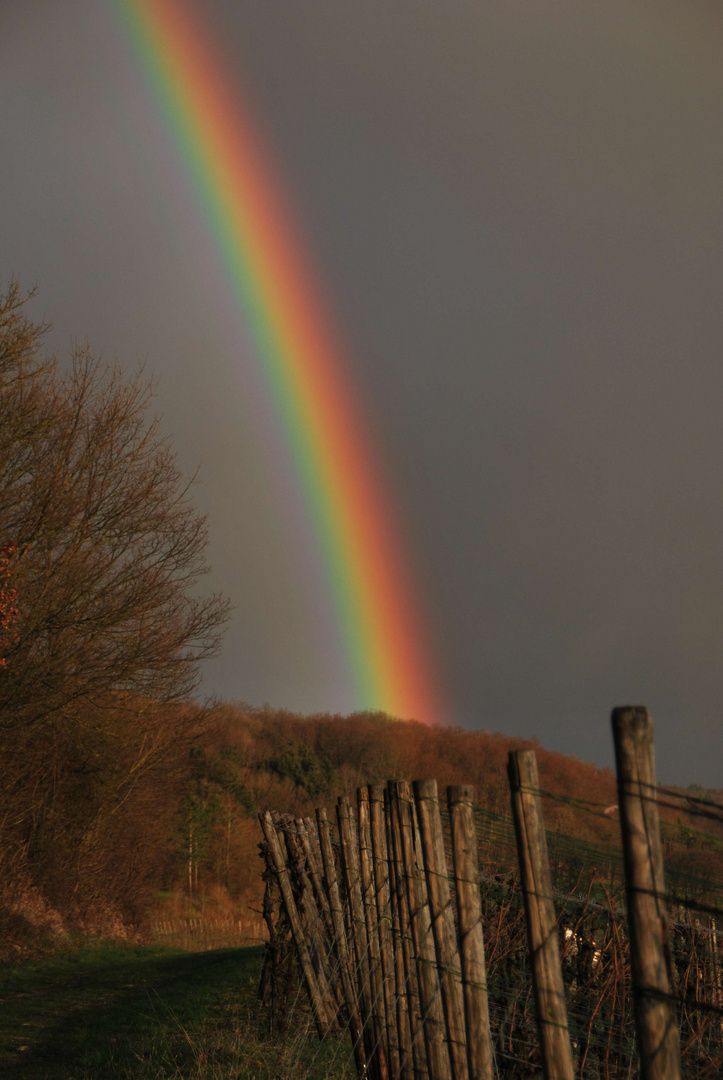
(516, 210)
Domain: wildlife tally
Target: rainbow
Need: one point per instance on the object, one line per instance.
(302, 368)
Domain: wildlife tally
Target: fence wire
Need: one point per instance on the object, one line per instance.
(589, 896)
(589, 893)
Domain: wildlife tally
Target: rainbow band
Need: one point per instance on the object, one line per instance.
(301, 367)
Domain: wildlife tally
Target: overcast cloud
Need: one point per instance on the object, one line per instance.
(516, 211)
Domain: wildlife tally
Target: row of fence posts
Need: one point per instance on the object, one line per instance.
(388, 948)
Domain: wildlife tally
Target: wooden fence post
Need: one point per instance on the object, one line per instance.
(544, 948)
(655, 1016)
(426, 798)
(380, 866)
(321, 1017)
(316, 902)
(304, 826)
(402, 955)
(717, 979)
(376, 980)
(460, 800)
(357, 925)
(429, 989)
(340, 942)
(311, 923)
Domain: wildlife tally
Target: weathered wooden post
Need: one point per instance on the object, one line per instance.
(430, 997)
(426, 799)
(401, 989)
(357, 925)
(536, 884)
(304, 827)
(460, 800)
(340, 941)
(655, 1016)
(321, 1017)
(410, 975)
(310, 918)
(376, 979)
(380, 866)
(316, 898)
(717, 977)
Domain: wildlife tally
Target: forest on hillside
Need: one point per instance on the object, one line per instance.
(121, 795)
(183, 837)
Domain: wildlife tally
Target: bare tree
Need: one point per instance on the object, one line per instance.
(104, 549)
(102, 629)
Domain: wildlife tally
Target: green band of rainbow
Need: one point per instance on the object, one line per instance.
(350, 512)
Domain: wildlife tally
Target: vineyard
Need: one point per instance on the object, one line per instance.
(452, 942)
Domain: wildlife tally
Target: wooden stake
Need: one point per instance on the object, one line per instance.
(357, 925)
(426, 799)
(372, 926)
(312, 925)
(305, 827)
(321, 1017)
(543, 945)
(317, 905)
(460, 801)
(404, 1034)
(645, 890)
(380, 868)
(340, 942)
(429, 989)
(410, 977)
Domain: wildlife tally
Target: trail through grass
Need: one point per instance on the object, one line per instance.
(152, 1014)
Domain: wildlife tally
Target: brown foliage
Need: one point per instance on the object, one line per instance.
(8, 602)
(89, 815)
(108, 546)
(102, 630)
(369, 748)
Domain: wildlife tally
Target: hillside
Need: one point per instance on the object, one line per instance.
(179, 837)
(294, 764)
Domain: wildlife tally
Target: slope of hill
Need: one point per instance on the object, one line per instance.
(294, 764)
(180, 839)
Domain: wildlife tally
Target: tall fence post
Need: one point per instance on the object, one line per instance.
(544, 948)
(426, 798)
(655, 1017)
(403, 967)
(311, 923)
(304, 828)
(380, 864)
(460, 800)
(357, 925)
(340, 941)
(316, 906)
(411, 977)
(323, 1021)
(433, 1022)
(376, 980)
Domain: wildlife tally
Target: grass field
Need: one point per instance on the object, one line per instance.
(147, 1014)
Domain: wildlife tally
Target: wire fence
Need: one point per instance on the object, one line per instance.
(453, 942)
(205, 932)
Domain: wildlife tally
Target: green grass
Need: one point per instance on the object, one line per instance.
(147, 1014)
